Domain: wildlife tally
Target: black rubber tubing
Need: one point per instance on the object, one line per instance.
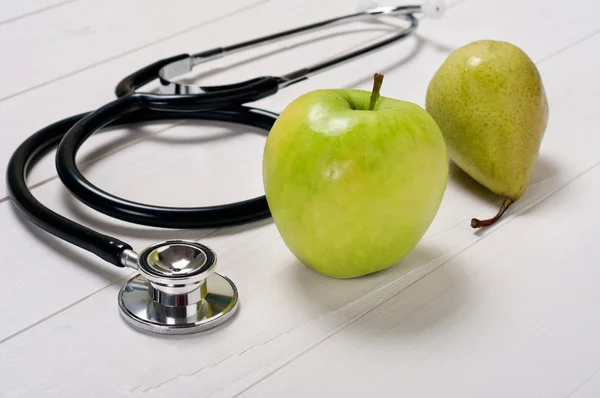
(106, 247)
(159, 216)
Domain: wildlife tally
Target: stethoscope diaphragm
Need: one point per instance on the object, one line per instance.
(177, 290)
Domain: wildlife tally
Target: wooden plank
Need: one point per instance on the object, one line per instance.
(61, 41)
(303, 308)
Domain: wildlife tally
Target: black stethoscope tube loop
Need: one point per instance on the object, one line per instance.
(159, 216)
(107, 247)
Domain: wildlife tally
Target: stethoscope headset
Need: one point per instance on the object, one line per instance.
(176, 290)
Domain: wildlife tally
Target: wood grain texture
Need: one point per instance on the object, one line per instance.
(504, 312)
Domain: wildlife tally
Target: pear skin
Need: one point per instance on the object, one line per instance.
(489, 101)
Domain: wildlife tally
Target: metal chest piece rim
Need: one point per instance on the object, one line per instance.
(177, 291)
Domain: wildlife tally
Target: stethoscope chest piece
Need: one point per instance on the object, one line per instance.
(177, 290)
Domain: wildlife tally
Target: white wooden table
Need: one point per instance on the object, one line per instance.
(512, 311)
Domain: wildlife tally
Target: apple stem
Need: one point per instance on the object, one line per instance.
(475, 223)
(377, 82)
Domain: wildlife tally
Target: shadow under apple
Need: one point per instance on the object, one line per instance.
(404, 288)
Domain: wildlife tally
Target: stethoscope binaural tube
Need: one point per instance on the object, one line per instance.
(169, 69)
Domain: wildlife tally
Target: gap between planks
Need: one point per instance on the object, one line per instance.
(135, 49)
(35, 12)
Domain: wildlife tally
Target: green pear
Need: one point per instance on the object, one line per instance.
(489, 101)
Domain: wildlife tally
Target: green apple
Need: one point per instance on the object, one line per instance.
(353, 189)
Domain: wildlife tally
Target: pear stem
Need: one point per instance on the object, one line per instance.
(475, 223)
(377, 82)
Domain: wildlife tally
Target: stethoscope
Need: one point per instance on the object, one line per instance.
(177, 290)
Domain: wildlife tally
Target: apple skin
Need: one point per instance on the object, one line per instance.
(353, 190)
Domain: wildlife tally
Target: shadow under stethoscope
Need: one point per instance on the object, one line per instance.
(70, 254)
